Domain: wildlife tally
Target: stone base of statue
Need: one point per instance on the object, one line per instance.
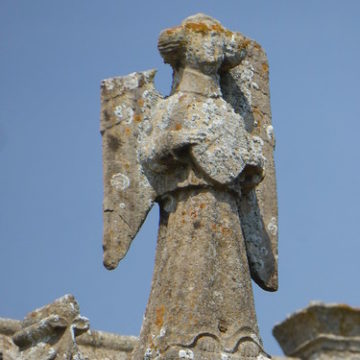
(201, 299)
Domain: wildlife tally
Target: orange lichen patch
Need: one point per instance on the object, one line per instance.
(137, 118)
(127, 131)
(256, 111)
(218, 28)
(257, 46)
(225, 231)
(265, 67)
(202, 206)
(197, 27)
(178, 126)
(170, 31)
(258, 116)
(244, 44)
(140, 102)
(160, 312)
(193, 214)
(203, 28)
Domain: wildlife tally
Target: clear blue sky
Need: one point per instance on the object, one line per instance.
(53, 55)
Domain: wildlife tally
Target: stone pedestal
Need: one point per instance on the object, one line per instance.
(321, 332)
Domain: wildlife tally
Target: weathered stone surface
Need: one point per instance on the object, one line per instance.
(126, 104)
(49, 332)
(246, 88)
(8, 350)
(99, 345)
(321, 332)
(203, 154)
(37, 338)
(204, 307)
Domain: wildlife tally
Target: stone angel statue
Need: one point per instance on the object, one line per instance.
(205, 155)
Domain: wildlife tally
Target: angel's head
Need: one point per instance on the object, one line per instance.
(201, 43)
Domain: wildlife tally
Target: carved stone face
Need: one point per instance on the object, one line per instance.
(204, 50)
(201, 43)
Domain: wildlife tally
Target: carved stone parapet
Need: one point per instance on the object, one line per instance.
(100, 345)
(50, 332)
(321, 332)
(8, 350)
(57, 331)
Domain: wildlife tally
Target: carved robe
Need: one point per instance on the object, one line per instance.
(201, 285)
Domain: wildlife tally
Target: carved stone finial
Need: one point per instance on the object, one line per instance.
(50, 332)
(205, 154)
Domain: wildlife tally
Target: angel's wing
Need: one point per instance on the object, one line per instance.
(246, 88)
(126, 104)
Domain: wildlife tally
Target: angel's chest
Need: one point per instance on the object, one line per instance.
(213, 115)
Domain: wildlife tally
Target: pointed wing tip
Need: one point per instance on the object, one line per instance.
(109, 265)
(129, 81)
(113, 253)
(272, 284)
(110, 261)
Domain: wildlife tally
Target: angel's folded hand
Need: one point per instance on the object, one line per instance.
(177, 140)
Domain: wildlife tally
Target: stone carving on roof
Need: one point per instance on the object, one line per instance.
(50, 332)
(205, 155)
